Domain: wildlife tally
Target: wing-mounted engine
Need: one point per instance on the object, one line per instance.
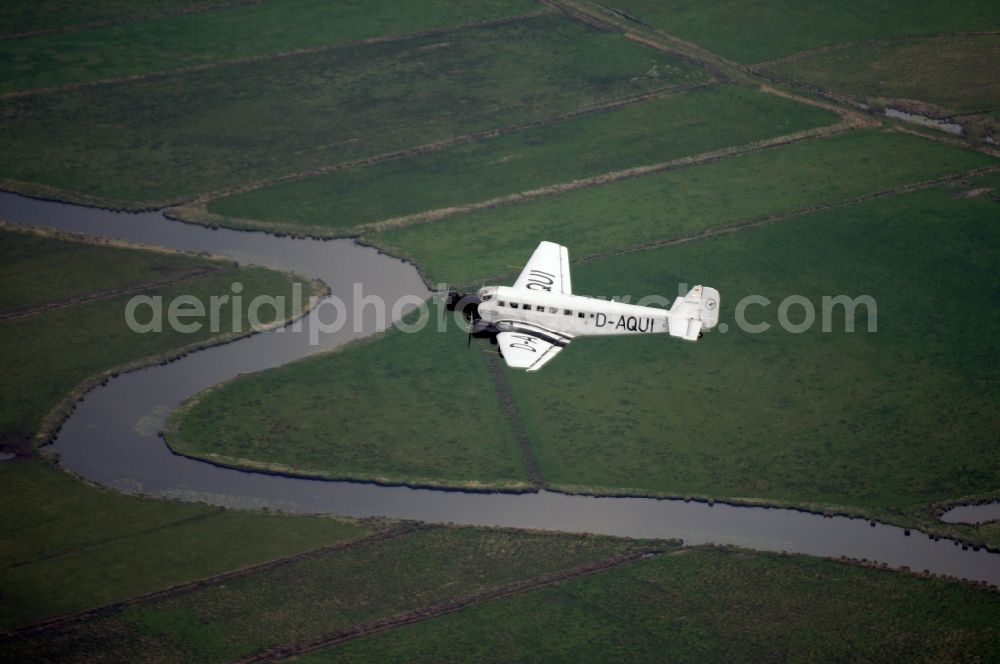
(695, 312)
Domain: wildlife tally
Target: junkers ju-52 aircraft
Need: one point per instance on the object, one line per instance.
(531, 321)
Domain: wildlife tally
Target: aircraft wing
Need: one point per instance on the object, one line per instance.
(547, 270)
(523, 350)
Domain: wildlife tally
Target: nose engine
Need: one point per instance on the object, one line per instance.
(468, 305)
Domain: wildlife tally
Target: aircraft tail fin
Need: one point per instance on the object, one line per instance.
(695, 312)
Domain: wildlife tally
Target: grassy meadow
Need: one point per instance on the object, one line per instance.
(401, 407)
(674, 204)
(244, 30)
(47, 355)
(955, 73)
(17, 16)
(639, 134)
(896, 419)
(706, 605)
(750, 33)
(169, 138)
(84, 269)
(253, 114)
(313, 596)
(68, 546)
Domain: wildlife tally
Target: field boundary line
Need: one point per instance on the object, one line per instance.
(780, 216)
(77, 27)
(808, 53)
(873, 116)
(182, 209)
(945, 139)
(449, 606)
(513, 415)
(745, 224)
(107, 294)
(606, 178)
(278, 55)
(86, 614)
(90, 545)
(617, 20)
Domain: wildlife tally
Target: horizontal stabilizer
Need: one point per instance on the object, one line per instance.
(696, 311)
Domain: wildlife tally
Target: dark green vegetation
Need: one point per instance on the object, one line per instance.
(67, 546)
(240, 31)
(882, 423)
(699, 604)
(317, 595)
(47, 355)
(896, 419)
(400, 408)
(955, 73)
(750, 33)
(183, 134)
(707, 605)
(675, 204)
(636, 135)
(17, 16)
(84, 269)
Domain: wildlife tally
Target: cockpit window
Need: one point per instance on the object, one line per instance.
(487, 298)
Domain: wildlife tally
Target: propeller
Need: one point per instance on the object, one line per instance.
(469, 306)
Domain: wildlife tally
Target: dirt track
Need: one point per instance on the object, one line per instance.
(267, 56)
(778, 216)
(605, 178)
(104, 295)
(81, 616)
(417, 615)
(498, 373)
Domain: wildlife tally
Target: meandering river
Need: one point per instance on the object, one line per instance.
(111, 438)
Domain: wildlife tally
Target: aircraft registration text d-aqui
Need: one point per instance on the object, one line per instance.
(531, 321)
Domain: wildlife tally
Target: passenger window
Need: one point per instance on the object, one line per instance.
(553, 310)
(513, 305)
(501, 303)
(591, 315)
(539, 307)
(567, 312)
(580, 314)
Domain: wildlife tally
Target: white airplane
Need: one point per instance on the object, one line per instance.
(538, 316)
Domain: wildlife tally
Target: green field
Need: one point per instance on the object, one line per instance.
(171, 42)
(890, 422)
(318, 595)
(403, 407)
(750, 33)
(640, 134)
(955, 73)
(18, 16)
(329, 118)
(897, 419)
(47, 355)
(674, 204)
(168, 138)
(707, 605)
(990, 180)
(84, 269)
(67, 546)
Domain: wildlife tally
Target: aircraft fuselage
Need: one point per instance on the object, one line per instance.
(569, 315)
